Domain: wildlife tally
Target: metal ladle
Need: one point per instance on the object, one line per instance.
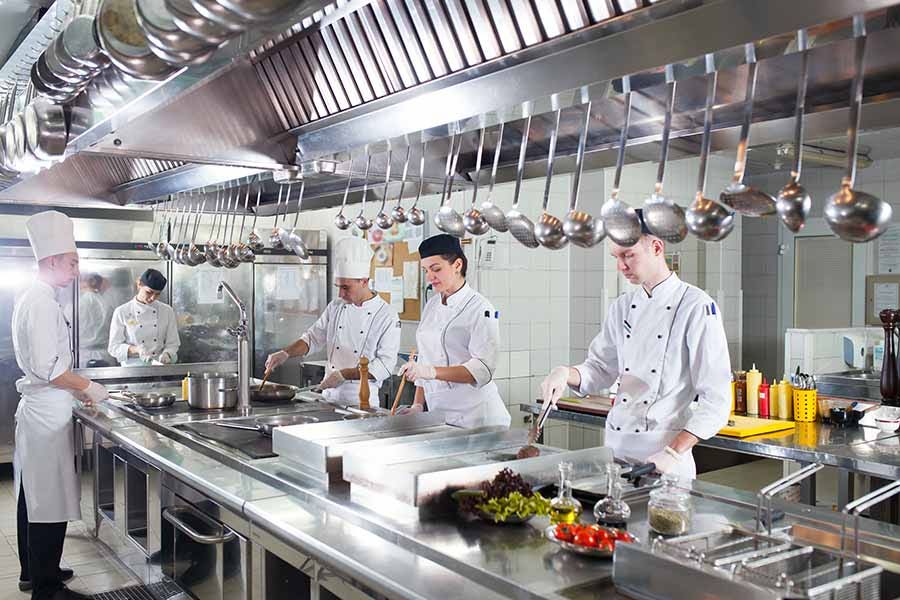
(492, 213)
(292, 240)
(738, 195)
(417, 215)
(549, 229)
(706, 218)
(852, 214)
(663, 217)
(362, 221)
(340, 220)
(160, 248)
(521, 227)
(195, 256)
(212, 250)
(397, 213)
(620, 220)
(446, 218)
(793, 202)
(582, 229)
(382, 219)
(253, 240)
(275, 237)
(225, 250)
(473, 220)
(244, 252)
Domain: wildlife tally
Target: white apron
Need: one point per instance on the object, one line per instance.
(642, 358)
(349, 334)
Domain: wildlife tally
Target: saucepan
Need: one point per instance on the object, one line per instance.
(266, 425)
(149, 399)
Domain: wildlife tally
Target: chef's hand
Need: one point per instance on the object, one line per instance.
(332, 380)
(666, 460)
(411, 410)
(93, 394)
(276, 359)
(554, 386)
(414, 371)
(145, 354)
(165, 358)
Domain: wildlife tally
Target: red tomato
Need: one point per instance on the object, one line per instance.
(565, 532)
(606, 545)
(586, 538)
(622, 536)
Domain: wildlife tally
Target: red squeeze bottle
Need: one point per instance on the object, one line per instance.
(764, 399)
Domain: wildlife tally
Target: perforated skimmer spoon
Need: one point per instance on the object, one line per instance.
(620, 220)
(520, 226)
(549, 229)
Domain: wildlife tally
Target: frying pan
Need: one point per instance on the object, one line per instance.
(265, 425)
(149, 399)
(273, 392)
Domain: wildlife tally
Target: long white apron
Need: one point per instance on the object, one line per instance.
(347, 339)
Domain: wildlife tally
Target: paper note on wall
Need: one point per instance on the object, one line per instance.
(411, 280)
(889, 252)
(886, 296)
(397, 293)
(207, 283)
(383, 277)
(287, 284)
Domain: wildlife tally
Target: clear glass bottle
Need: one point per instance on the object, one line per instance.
(670, 508)
(565, 508)
(612, 511)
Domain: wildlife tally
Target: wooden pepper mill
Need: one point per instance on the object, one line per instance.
(889, 380)
(364, 383)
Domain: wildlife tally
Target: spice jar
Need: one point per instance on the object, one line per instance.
(670, 508)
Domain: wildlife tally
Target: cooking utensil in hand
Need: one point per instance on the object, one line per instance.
(397, 213)
(412, 357)
(266, 425)
(854, 215)
(793, 202)
(535, 432)
(340, 220)
(620, 220)
(473, 220)
(492, 213)
(265, 379)
(581, 228)
(549, 229)
(520, 226)
(446, 218)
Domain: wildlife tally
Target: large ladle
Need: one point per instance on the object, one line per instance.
(225, 250)
(292, 240)
(164, 249)
(446, 218)
(549, 229)
(397, 213)
(362, 221)
(341, 221)
(417, 215)
(195, 255)
(253, 240)
(160, 248)
(663, 217)
(184, 246)
(520, 226)
(243, 251)
(707, 218)
(620, 220)
(793, 202)
(737, 195)
(492, 213)
(473, 220)
(275, 237)
(852, 214)
(581, 228)
(382, 219)
(212, 250)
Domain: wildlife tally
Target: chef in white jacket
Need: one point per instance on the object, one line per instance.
(358, 323)
(48, 490)
(665, 344)
(144, 329)
(457, 340)
(94, 316)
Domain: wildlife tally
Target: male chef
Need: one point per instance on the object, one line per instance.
(665, 343)
(358, 323)
(144, 329)
(49, 492)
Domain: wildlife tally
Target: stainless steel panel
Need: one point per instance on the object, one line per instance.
(407, 36)
(360, 76)
(363, 24)
(487, 36)
(464, 36)
(325, 61)
(434, 53)
(388, 30)
(351, 35)
(342, 65)
(507, 31)
(320, 77)
(312, 101)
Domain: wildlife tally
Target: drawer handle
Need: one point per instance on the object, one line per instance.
(171, 513)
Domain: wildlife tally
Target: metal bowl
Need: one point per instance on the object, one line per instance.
(123, 40)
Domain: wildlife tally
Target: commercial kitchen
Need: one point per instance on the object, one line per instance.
(239, 176)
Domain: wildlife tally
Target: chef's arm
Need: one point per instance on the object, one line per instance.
(419, 399)
(352, 374)
(683, 442)
(315, 337)
(119, 347)
(455, 374)
(298, 348)
(710, 373)
(484, 346)
(173, 340)
(601, 367)
(70, 381)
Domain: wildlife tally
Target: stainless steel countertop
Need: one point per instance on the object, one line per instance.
(864, 449)
(397, 556)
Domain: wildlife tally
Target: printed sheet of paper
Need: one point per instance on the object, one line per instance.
(886, 296)
(397, 293)
(383, 277)
(411, 280)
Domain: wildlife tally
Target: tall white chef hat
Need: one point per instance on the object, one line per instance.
(50, 233)
(352, 258)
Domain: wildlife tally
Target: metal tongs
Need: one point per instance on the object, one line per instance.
(538, 426)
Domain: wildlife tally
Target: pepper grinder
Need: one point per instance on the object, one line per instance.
(889, 365)
(364, 383)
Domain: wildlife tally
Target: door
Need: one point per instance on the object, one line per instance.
(823, 283)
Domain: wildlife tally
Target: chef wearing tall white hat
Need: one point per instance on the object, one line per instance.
(665, 344)
(49, 493)
(358, 323)
(144, 330)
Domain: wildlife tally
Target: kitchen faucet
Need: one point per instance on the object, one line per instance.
(240, 332)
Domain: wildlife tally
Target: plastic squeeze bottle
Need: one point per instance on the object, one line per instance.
(754, 379)
(764, 407)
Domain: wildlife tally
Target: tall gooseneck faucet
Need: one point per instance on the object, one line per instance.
(241, 332)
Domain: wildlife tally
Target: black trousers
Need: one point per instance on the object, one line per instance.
(40, 550)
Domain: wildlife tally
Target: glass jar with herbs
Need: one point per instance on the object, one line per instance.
(670, 508)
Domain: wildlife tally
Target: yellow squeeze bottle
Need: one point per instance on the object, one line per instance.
(754, 379)
(785, 400)
(774, 400)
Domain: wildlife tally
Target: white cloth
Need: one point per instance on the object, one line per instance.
(45, 437)
(348, 332)
(352, 258)
(50, 233)
(150, 326)
(465, 331)
(670, 354)
(94, 316)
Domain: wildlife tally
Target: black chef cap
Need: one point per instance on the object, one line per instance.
(154, 280)
(644, 229)
(440, 245)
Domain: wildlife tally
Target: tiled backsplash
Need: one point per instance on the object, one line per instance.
(818, 351)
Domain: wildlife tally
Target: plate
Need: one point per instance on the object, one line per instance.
(550, 534)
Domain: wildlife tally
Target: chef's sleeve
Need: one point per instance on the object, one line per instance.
(601, 368)
(316, 337)
(118, 342)
(172, 340)
(484, 345)
(710, 371)
(44, 360)
(381, 367)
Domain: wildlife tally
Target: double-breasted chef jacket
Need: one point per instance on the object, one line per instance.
(45, 439)
(668, 350)
(464, 331)
(348, 332)
(151, 326)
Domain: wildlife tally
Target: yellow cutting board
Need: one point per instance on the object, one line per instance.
(747, 426)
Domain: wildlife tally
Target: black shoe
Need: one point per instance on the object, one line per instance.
(65, 593)
(64, 575)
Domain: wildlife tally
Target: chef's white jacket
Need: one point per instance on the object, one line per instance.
(151, 326)
(464, 331)
(669, 352)
(348, 332)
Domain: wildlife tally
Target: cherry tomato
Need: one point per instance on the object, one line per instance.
(565, 532)
(606, 545)
(622, 536)
(586, 538)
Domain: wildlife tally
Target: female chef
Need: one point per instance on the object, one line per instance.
(144, 329)
(457, 340)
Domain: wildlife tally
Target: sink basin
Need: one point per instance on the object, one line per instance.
(857, 374)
